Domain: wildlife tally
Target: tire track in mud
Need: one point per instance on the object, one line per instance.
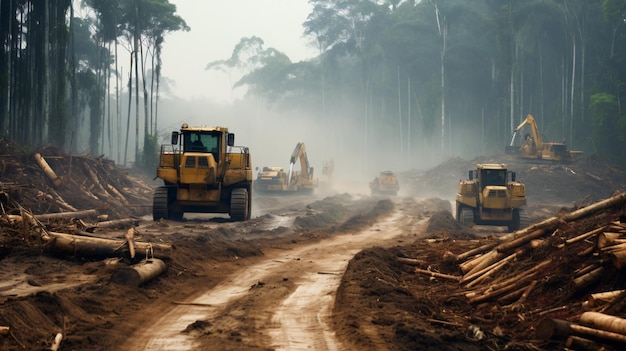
(283, 302)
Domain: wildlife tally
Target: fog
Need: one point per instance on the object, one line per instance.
(272, 135)
(190, 94)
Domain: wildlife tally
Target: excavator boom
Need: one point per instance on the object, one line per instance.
(534, 147)
(293, 180)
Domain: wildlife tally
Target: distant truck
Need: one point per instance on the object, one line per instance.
(385, 184)
(492, 196)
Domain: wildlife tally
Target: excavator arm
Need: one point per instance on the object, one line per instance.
(534, 130)
(299, 153)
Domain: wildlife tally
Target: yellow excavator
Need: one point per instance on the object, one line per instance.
(276, 180)
(534, 147)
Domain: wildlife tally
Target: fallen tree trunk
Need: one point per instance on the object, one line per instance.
(557, 329)
(56, 180)
(584, 281)
(100, 247)
(607, 239)
(604, 297)
(618, 258)
(437, 275)
(604, 322)
(117, 222)
(68, 215)
(581, 344)
(476, 251)
(551, 223)
(480, 262)
(130, 240)
(140, 273)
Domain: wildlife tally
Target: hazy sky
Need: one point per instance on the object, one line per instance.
(216, 27)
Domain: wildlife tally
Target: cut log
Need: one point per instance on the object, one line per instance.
(56, 180)
(607, 239)
(140, 273)
(603, 321)
(551, 223)
(556, 329)
(618, 258)
(493, 293)
(616, 306)
(586, 269)
(437, 275)
(130, 240)
(4, 330)
(505, 286)
(68, 215)
(480, 262)
(56, 344)
(514, 244)
(585, 235)
(62, 203)
(586, 280)
(100, 247)
(485, 272)
(581, 344)
(597, 299)
(117, 222)
(479, 250)
(527, 292)
(412, 261)
(117, 194)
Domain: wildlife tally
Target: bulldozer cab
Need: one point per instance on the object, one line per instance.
(196, 141)
(491, 177)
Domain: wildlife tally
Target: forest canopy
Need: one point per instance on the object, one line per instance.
(447, 76)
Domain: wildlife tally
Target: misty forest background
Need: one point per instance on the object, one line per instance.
(395, 84)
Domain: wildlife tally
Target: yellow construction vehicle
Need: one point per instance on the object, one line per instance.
(276, 180)
(534, 147)
(271, 179)
(492, 196)
(385, 184)
(203, 171)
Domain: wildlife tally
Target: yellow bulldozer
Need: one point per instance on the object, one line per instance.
(385, 184)
(534, 147)
(492, 196)
(276, 180)
(203, 171)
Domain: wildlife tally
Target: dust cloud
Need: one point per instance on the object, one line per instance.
(359, 153)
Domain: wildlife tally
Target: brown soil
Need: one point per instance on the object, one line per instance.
(380, 303)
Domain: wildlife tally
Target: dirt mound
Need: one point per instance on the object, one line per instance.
(442, 225)
(443, 300)
(377, 307)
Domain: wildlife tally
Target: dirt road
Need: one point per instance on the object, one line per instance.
(281, 302)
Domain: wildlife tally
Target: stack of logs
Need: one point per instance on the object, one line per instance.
(499, 272)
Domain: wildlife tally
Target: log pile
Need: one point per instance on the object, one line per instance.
(53, 202)
(563, 275)
(77, 240)
(49, 181)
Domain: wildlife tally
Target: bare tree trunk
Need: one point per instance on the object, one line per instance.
(130, 102)
(136, 50)
(46, 68)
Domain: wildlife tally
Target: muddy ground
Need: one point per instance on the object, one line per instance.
(380, 302)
